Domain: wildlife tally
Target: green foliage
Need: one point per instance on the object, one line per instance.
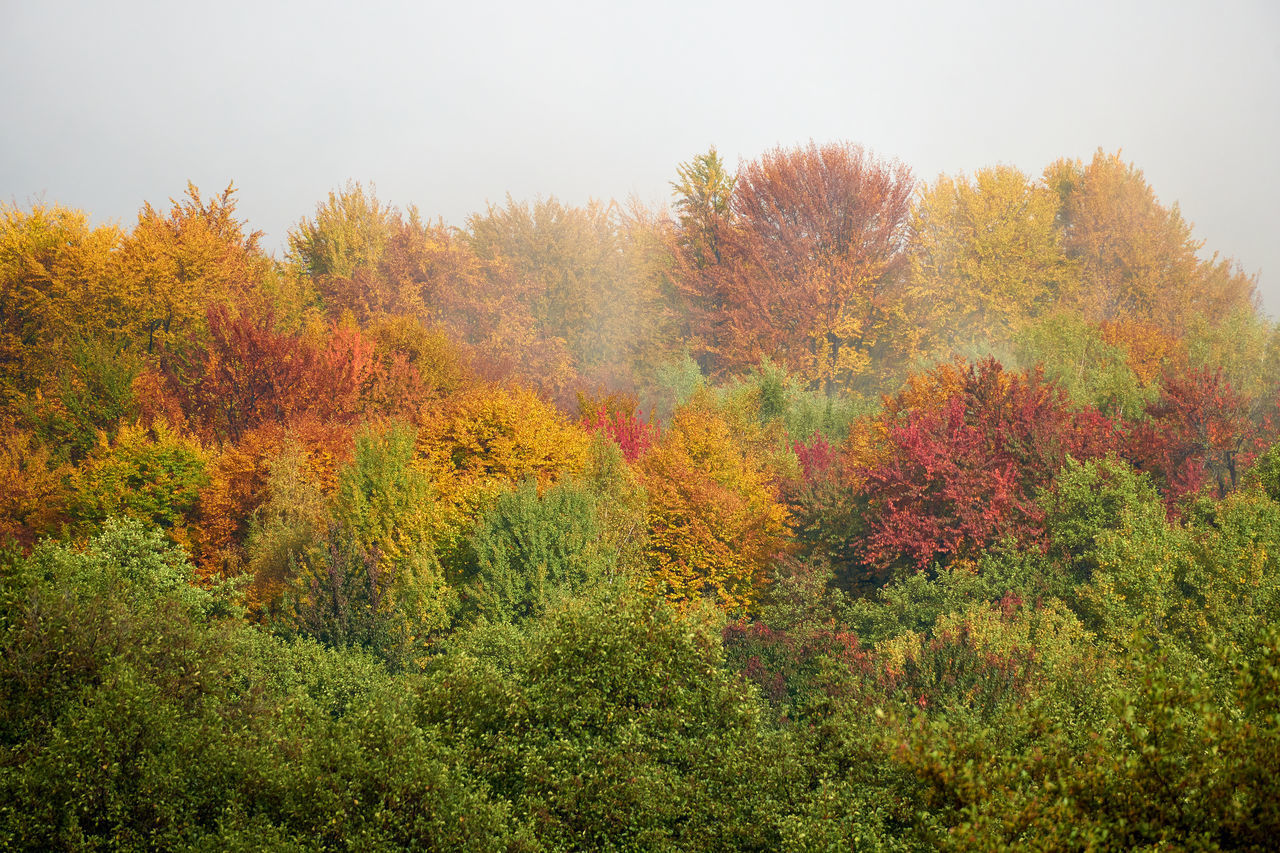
(612, 725)
(137, 716)
(915, 602)
(350, 232)
(92, 396)
(1093, 372)
(531, 549)
(1264, 474)
(153, 474)
(1090, 498)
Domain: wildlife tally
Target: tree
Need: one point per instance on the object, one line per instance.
(1137, 258)
(530, 550)
(179, 266)
(1199, 432)
(808, 259)
(715, 522)
(961, 478)
(985, 257)
(1093, 365)
(59, 287)
(153, 474)
(571, 258)
(481, 442)
(703, 195)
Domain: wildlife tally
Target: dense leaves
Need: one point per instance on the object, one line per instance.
(816, 514)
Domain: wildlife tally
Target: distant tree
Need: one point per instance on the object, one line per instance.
(808, 256)
(985, 257)
(1137, 258)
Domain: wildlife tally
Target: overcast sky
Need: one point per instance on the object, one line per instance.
(450, 106)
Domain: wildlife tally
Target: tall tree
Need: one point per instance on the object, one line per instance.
(1137, 257)
(59, 284)
(178, 265)
(985, 256)
(808, 265)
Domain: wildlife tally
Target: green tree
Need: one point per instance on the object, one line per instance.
(531, 549)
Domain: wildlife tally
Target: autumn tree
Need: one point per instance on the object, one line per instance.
(715, 522)
(59, 286)
(481, 442)
(1199, 433)
(344, 251)
(960, 478)
(703, 195)
(985, 256)
(808, 259)
(153, 474)
(1136, 257)
(178, 265)
(571, 257)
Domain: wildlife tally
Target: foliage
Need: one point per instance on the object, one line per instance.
(179, 265)
(153, 474)
(959, 480)
(482, 441)
(530, 550)
(806, 256)
(375, 579)
(612, 725)
(985, 256)
(715, 524)
(33, 496)
(58, 285)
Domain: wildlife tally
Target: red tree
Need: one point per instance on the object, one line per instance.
(960, 478)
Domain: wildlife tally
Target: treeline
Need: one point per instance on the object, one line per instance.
(830, 510)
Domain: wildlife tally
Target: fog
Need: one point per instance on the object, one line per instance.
(452, 106)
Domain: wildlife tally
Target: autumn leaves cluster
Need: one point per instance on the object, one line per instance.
(829, 509)
(789, 365)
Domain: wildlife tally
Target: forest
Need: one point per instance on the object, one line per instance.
(828, 508)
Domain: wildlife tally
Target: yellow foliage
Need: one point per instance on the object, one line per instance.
(715, 522)
(481, 441)
(985, 258)
(32, 491)
(58, 280)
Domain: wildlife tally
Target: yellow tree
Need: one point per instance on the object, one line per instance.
(177, 265)
(570, 256)
(58, 285)
(1137, 257)
(715, 522)
(482, 441)
(985, 257)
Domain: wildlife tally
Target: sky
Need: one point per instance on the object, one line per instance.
(453, 106)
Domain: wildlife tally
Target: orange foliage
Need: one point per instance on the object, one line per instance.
(1149, 350)
(33, 497)
(238, 480)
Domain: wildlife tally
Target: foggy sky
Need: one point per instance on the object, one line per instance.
(450, 106)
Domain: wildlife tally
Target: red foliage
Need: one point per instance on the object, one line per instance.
(627, 428)
(963, 477)
(816, 458)
(250, 374)
(1200, 432)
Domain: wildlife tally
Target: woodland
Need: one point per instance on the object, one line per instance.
(829, 508)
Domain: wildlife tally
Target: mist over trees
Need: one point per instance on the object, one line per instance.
(830, 508)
